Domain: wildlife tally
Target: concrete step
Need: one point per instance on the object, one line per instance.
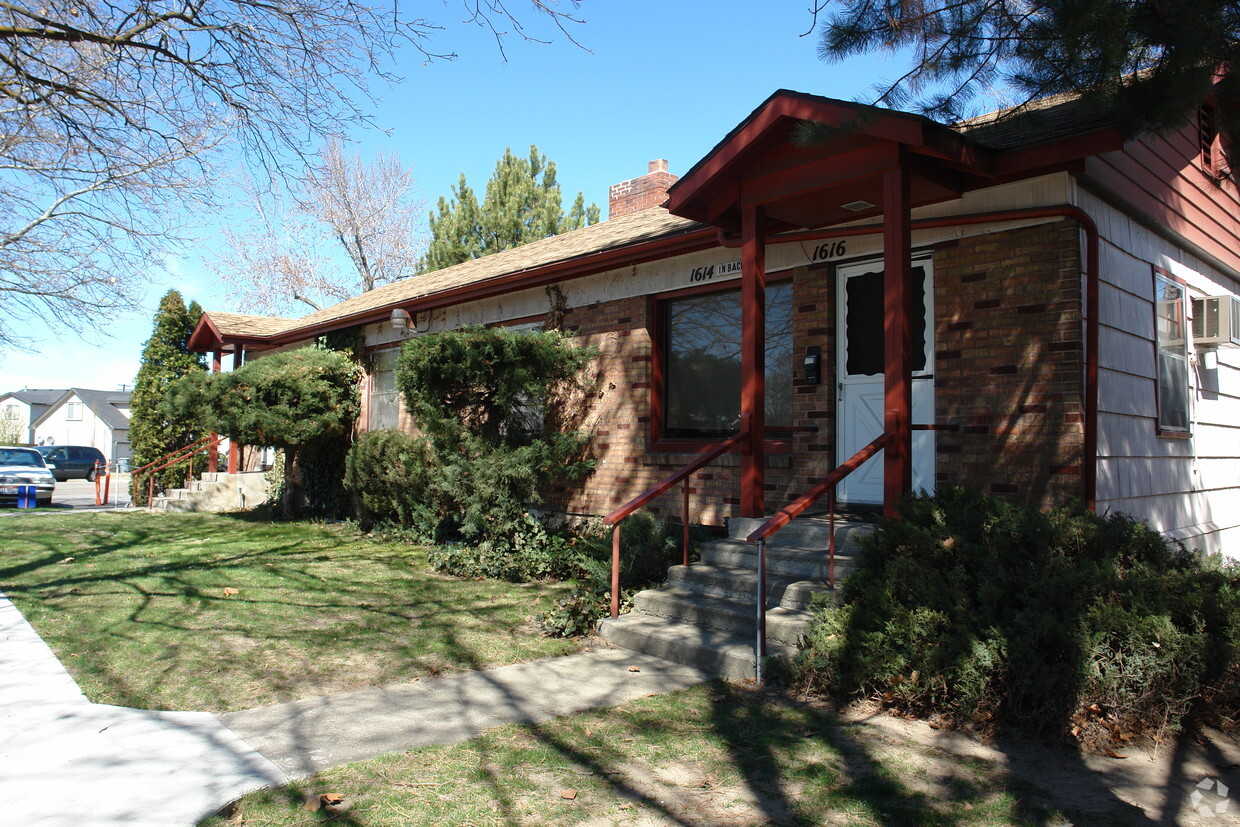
(789, 592)
(790, 561)
(216, 492)
(729, 614)
(808, 533)
(723, 653)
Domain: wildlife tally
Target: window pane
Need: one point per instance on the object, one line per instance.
(384, 399)
(863, 323)
(703, 362)
(1170, 327)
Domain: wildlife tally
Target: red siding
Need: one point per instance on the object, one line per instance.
(1161, 177)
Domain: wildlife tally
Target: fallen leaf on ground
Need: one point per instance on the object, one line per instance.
(229, 590)
(568, 795)
(1110, 753)
(635, 669)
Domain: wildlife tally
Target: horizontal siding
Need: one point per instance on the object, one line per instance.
(1121, 393)
(1161, 178)
(1188, 488)
(1124, 352)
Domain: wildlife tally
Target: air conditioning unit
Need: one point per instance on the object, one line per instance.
(1216, 321)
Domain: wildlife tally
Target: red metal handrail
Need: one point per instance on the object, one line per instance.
(613, 519)
(168, 460)
(786, 515)
(827, 485)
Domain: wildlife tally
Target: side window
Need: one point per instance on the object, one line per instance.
(1171, 330)
(384, 401)
(73, 410)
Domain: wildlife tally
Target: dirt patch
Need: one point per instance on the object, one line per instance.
(1145, 786)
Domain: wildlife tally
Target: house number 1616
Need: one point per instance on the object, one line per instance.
(830, 249)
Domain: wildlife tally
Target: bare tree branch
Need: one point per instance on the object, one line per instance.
(113, 115)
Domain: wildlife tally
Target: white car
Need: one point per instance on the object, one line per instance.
(25, 466)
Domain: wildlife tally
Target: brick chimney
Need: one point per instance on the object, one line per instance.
(650, 190)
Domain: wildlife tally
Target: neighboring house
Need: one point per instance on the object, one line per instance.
(19, 410)
(1027, 304)
(78, 416)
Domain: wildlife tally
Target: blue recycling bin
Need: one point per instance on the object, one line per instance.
(26, 497)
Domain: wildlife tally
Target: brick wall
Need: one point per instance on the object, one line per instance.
(649, 190)
(1008, 363)
(1007, 367)
(617, 413)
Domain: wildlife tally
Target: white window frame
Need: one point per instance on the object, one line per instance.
(391, 394)
(1171, 354)
(73, 411)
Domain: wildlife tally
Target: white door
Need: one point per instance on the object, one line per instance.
(859, 372)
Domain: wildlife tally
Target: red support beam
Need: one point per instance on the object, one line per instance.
(897, 339)
(213, 453)
(234, 450)
(753, 360)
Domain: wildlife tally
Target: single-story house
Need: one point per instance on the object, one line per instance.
(1029, 303)
(80, 416)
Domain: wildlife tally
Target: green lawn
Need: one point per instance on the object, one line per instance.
(713, 755)
(218, 612)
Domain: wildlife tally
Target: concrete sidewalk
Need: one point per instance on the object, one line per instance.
(65, 761)
(307, 736)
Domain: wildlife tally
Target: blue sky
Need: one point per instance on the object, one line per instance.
(659, 80)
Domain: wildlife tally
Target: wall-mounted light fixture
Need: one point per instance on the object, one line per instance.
(402, 322)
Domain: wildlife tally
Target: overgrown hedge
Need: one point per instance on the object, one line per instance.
(997, 617)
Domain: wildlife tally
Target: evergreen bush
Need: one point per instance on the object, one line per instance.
(648, 547)
(302, 402)
(494, 408)
(993, 616)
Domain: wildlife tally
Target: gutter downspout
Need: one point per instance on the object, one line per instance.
(1089, 471)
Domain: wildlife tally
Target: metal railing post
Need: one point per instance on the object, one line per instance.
(615, 571)
(831, 528)
(760, 643)
(685, 542)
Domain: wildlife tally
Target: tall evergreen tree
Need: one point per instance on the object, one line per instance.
(1151, 63)
(165, 358)
(523, 203)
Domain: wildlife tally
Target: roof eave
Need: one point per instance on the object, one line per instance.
(682, 242)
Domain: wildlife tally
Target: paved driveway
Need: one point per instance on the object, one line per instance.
(79, 495)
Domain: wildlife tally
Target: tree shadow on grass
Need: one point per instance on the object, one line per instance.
(291, 609)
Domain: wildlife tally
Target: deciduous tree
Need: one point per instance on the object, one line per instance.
(523, 203)
(345, 227)
(111, 112)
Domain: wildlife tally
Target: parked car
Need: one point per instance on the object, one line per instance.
(24, 466)
(72, 461)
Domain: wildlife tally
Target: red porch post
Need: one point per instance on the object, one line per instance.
(213, 453)
(234, 450)
(753, 360)
(897, 339)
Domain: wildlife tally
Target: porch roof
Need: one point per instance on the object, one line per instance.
(812, 162)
